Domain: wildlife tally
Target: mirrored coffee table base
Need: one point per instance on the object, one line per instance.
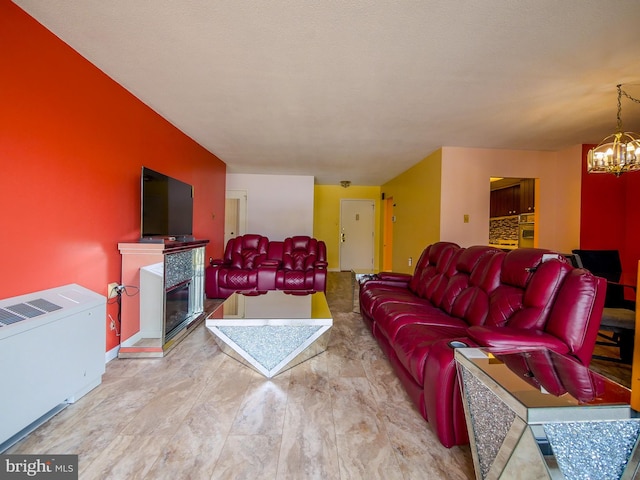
(274, 331)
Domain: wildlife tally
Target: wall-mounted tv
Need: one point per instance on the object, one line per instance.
(167, 206)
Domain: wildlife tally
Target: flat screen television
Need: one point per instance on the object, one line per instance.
(166, 206)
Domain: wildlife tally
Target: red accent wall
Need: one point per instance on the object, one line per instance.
(72, 144)
(609, 216)
(631, 221)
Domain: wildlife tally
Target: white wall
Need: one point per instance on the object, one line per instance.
(278, 206)
(465, 190)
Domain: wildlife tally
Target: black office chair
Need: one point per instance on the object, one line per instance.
(573, 259)
(618, 316)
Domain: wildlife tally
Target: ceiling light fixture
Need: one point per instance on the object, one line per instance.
(345, 183)
(617, 153)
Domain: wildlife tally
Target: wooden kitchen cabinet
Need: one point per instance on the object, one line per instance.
(527, 195)
(514, 199)
(514, 204)
(505, 201)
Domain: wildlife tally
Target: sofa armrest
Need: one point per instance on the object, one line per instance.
(389, 278)
(269, 264)
(394, 277)
(506, 337)
(216, 262)
(267, 271)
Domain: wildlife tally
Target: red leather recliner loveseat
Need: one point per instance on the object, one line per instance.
(252, 263)
(480, 296)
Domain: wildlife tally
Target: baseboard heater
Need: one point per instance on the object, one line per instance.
(52, 346)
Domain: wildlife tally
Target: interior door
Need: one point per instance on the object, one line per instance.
(356, 234)
(387, 243)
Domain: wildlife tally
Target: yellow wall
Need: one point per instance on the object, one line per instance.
(416, 196)
(326, 217)
(432, 198)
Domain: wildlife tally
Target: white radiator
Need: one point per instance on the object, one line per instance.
(52, 346)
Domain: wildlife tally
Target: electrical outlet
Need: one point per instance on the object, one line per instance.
(112, 290)
(410, 262)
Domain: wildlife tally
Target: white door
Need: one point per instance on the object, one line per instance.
(235, 214)
(356, 234)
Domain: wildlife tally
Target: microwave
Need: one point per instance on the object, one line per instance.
(526, 218)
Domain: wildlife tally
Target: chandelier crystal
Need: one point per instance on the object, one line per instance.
(617, 153)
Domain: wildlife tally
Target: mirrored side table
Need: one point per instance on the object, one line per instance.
(534, 414)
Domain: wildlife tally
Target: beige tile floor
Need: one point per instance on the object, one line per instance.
(199, 414)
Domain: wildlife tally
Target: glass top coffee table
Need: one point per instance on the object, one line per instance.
(273, 331)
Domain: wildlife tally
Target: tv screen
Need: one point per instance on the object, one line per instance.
(167, 206)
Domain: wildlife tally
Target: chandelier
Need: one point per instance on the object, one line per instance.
(617, 153)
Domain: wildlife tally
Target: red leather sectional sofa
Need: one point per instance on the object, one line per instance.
(480, 296)
(252, 263)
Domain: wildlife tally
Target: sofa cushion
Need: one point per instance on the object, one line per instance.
(399, 315)
(575, 317)
(300, 253)
(540, 295)
(238, 279)
(433, 288)
(295, 280)
(373, 290)
(373, 299)
(246, 251)
(508, 302)
(520, 264)
(247, 259)
(439, 255)
(471, 303)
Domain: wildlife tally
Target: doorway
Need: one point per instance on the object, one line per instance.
(235, 214)
(356, 234)
(512, 212)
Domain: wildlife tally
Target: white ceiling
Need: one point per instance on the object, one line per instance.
(362, 90)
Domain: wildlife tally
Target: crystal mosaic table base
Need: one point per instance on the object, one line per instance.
(271, 349)
(505, 446)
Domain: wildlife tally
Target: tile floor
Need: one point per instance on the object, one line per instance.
(199, 414)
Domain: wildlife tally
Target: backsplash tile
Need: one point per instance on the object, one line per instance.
(503, 228)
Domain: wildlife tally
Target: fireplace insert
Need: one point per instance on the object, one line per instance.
(177, 309)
